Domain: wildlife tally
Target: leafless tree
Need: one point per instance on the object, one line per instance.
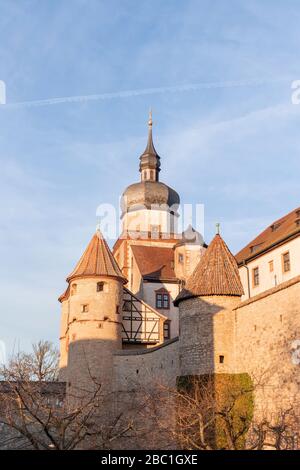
(201, 417)
(34, 411)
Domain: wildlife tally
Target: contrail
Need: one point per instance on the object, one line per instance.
(145, 91)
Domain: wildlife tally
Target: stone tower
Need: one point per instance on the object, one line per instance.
(206, 316)
(91, 319)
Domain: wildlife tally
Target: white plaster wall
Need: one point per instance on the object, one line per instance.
(267, 278)
(143, 219)
(149, 289)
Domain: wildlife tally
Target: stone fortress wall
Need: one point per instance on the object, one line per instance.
(258, 336)
(267, 344)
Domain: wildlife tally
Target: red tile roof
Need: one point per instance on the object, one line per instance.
(97, 260)
(216, 274)
(155, 263)
(275, 234)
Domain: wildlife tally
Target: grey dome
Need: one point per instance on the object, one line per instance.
(190, 236)
(147, 194)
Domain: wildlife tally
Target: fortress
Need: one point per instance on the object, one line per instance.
(163, 305)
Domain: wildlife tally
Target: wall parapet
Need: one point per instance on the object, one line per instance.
(139, 352)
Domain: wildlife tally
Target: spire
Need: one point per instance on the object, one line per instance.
(97, 260)
(150, 160)
(216, 274)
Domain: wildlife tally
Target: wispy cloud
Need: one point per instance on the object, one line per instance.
(218, 80)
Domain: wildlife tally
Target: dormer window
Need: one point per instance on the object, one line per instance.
(255, 248)
(275, 226)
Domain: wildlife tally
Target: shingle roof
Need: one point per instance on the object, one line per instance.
(97, 260)
(155, 263)
(280, 230)
(216, 274)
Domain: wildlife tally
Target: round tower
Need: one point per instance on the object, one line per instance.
(206, 313)
(187, 253)
(91, 320)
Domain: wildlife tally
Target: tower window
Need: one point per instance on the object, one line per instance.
(286, 264)
(155, 230)
(162, 300)
(100, 286)
(167, 330)
(221, 359)
(84, 308)
(73, 289)
(180, 258)
(255, 277)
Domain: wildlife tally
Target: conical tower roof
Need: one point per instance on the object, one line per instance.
(97, 260)
(216, 274)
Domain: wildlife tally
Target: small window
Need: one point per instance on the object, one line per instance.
(167, 330)
(73, 289)
(155, 230)
(221, 359)
(180, 258)
(271, 266)
(84, 308)
(100, 286)
(163, 300)
(255, 274)
(286, 265)
(275, 226)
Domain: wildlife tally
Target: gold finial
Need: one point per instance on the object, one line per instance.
(218, 228)
(150, 122)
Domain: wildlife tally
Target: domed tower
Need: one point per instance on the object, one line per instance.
(187, 253)
(206, 315)
(91, 318)
(150, 205)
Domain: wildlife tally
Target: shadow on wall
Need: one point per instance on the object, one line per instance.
(207, 365)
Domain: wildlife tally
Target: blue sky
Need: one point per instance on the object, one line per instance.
(233, 148)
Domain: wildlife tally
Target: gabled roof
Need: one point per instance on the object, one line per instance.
(216, 274)
(155, 263)
(275, 234)
(97, 260)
